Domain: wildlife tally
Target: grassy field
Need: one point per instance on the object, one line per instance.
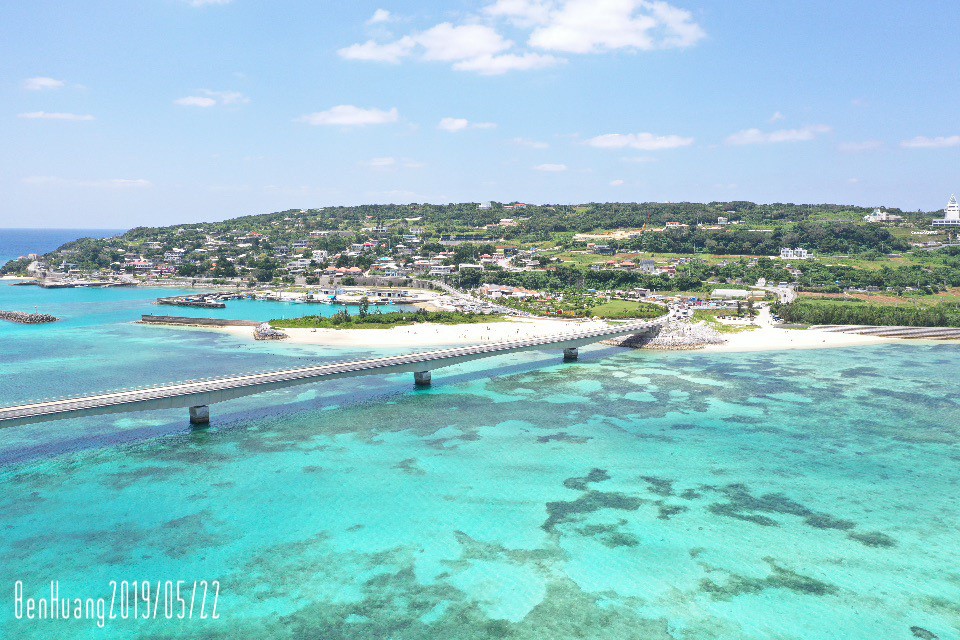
(885, 299)
(625, 309)
(709, 316)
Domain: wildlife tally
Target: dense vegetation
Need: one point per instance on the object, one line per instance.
(579, 305)
(342, 320)
(855, 312)
(763, 229)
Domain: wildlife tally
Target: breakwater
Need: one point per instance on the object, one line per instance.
(21, 317)
(195, 322)
(674, 336)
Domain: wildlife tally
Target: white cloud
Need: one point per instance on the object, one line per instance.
(551, 168)
(372, 51)
(642, 141)
(447, 42)
(213, 98)
(471, 47)
(571, 26)
(522, 13)
(111, 183)
(591, 26)
(228, 97)
(860, 147)
(382, 163)
(777, 117)
(498, 65)
(44, 115)
(454, 125)
(380, 16)
(203, 3)
(390, 162)
(350, 116)
(530, 144)
(617, 183)
(756, 136)
(923, 142)
(195, 101)
(41, 83)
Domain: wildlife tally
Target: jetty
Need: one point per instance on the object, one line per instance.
(21, 317)
(183, 321)
(197, 395)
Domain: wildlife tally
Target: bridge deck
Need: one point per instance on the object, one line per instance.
(209, 391)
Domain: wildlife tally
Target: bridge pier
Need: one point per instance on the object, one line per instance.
(571, 354)
(421, 378)
(200, 415)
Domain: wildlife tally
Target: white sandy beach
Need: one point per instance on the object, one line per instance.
(429, 335)
(764, 338)
(768, 338)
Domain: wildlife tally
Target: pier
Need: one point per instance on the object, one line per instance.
(198, 395)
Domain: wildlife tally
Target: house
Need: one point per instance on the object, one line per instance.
(441, 270)
(794, 254)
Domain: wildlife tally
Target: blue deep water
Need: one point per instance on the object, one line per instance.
(791, 495)
(19, 242)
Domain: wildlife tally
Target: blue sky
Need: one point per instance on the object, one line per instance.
(163, 111)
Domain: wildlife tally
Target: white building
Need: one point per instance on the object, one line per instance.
(951, 217)
(794, 254)
(882, 216)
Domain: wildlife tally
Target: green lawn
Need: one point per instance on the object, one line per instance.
(627, 309)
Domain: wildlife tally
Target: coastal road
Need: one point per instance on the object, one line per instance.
(198, 394)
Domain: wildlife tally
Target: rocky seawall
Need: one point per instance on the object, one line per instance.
(265, 332)
(21, 317)
(674, 336)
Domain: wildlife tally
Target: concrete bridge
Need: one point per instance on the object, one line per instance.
(198, 395)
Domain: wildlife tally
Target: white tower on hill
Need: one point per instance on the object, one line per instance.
(953, 209)
(951, 215)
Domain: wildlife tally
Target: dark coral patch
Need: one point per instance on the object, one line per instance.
(560, 512)
(580, 484)
(873, 539)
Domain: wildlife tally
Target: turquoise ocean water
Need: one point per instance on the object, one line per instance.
(792, 495)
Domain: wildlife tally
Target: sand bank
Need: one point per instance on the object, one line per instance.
(430, 335)
(774, 339)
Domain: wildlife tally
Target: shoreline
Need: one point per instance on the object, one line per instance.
(438, 335)
(425, 334)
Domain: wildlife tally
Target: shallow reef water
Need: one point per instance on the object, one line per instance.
(793, 495)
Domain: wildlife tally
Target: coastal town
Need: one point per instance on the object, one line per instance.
(789, 264)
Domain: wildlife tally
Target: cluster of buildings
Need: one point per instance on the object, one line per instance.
(880, 215)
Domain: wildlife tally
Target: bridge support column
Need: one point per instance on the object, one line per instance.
(421, 378)
(200, 415)
(570, 354)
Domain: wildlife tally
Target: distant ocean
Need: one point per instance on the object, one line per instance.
(19, 242)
